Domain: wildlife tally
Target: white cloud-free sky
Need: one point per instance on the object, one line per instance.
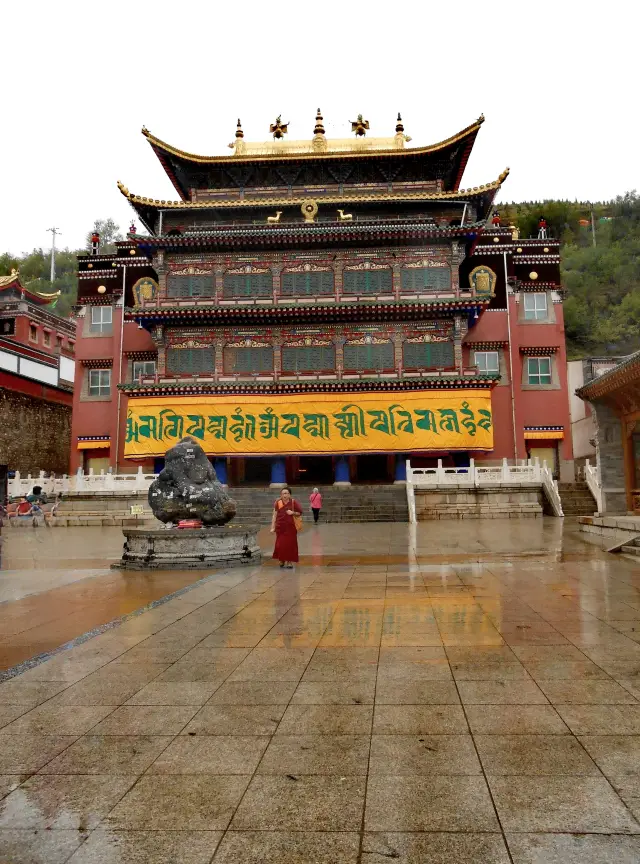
(557, 83)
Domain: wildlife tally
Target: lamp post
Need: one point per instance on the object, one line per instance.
(54, 231)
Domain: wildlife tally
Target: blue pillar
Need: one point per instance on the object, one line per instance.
(278, 473)
(401, 468)
(342, 477)
(220, 467)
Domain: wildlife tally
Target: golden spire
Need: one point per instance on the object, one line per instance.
(318, 128)
(239, 132)
(399, 124)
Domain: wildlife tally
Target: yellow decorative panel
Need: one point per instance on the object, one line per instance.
(313, 423)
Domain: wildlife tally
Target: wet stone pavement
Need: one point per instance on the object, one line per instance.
(464, 693)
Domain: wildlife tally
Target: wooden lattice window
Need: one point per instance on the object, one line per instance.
(307, 284)
(308, 358)
(191, 286)
(368, 281)
(238, 361)
(243, 285)
(369, 356)
(185, 361)
(428, 355)
(430, 279)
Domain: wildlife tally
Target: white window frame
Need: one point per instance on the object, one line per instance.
(536, 307)
(101, 319)
(486, 355)
(137, 371)
(535, 378)
(97, 386)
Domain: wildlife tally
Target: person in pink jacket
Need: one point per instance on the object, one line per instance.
(315, 499)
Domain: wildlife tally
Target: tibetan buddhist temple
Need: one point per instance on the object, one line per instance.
(320, 310)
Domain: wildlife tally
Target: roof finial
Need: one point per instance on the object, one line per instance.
(399, 124)
(359, 126)
(318, 129)
(278, 129)
(239, 132)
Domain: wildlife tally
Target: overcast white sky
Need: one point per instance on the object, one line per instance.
(557, 83)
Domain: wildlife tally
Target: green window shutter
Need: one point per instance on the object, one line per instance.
(365, 357)
(247, 285)
(367, 281)
(184, 361)
(245, 361)
(429, 279)
(307, 284)
(191, 286)
(319, 358)
(428, 355)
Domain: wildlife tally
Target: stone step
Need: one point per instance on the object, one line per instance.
(631, 549)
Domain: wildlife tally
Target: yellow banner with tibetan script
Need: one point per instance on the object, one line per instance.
(313, 423)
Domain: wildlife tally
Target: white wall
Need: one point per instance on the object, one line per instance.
(67, 369)
(8, 361)
(38, 371)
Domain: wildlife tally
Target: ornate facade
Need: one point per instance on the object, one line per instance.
(309, 271)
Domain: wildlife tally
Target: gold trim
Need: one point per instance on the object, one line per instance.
(329, 199)
(193, 157)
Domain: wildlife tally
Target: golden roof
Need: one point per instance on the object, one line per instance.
(14, 276)
(345, 198)
(347, 147)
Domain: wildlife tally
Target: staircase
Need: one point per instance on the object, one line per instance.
(576, 499)
(632, 547)
(339, 503)
(255, 504)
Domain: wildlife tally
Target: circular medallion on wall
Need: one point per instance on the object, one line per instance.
(309, 209)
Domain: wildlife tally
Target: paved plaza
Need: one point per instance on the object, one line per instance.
(456, 693)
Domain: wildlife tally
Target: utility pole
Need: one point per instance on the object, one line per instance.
(54, 231)
(593, 227)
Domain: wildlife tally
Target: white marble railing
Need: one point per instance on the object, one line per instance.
(592, 479)
(529, 473)
(80, 482)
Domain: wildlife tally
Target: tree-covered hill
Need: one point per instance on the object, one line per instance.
(602, 305)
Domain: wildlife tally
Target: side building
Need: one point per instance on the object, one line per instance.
(319, 311)
(37, 367)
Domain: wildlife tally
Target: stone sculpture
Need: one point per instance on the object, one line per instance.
(188, 488)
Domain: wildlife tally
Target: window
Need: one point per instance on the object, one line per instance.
(191, 286)
(59, 341)
(101, 319)
(99, 382)
(535, 306)
(46, 339)
(312, 358)
(245, 285)
(430, 279)
(33, 333)
(238, 361)
(367, 281)
(538, 370)
(143, 367)
(369, 357)
(191, 361)
(428, 355)
(487, 361)
(307, 284)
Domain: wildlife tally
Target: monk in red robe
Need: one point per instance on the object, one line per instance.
(284, 527)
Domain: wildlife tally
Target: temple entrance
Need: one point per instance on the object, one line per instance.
(374, 468)
(315, 471)
(257, 471)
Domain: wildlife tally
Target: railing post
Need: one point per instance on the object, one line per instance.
(505, 471)
(139, 483)
(440, 474)
(80, 480)
(473, 474)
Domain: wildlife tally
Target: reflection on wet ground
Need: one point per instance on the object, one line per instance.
(457, 692)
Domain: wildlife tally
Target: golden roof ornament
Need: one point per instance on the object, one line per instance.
(399, 124)
(319, 141)
(278, 129)
(238, 145)
(359, 126)
(400, 138)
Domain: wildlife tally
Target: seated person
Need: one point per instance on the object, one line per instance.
(37, 496)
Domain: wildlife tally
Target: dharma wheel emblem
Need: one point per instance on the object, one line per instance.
(309, 210)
